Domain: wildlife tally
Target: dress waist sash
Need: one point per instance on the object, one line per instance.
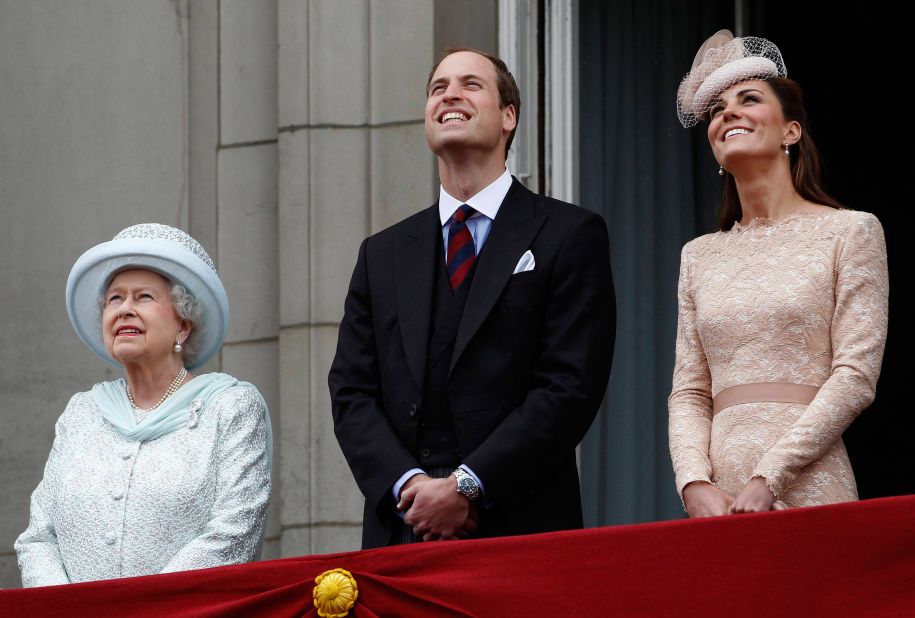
(780, 392)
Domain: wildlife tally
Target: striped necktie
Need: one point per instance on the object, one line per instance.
(461, 252)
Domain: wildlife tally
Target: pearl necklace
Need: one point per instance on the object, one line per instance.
(173, 387)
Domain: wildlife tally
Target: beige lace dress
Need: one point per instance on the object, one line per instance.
(801, 301)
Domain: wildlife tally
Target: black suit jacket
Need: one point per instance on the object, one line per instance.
(529, 368)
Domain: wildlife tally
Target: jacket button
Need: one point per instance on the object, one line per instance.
(425, 452)
(111, 538)
(413, 409)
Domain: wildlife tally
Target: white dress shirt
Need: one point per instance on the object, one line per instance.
(486, 203)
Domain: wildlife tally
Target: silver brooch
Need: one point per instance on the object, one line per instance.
(194, 407)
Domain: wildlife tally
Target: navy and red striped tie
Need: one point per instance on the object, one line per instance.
(461, 252)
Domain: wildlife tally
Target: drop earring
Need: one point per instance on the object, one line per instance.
(178, 346)
(721, 170)
(787, 152)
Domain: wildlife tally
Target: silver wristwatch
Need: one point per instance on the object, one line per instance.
(466, 484)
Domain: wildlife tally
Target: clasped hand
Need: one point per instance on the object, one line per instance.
(706, 500)
(436, 510)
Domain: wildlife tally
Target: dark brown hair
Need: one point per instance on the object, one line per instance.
(806, 168)
(505, 82)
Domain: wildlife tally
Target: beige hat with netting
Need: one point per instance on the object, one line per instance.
(721, 62)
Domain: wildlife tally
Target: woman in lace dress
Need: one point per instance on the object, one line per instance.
(162, 470)
(782, 312)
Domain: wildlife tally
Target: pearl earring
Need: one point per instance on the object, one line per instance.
(721, 170)
(178, 346)
(787, 152)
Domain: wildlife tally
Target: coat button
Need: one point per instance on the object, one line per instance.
(111, 538)
(425, 452)
(413, 409)
(117, 494)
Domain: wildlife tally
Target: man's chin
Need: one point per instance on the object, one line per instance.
(443, 143)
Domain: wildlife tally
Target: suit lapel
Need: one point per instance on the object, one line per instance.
(513, 229)
(415, 261)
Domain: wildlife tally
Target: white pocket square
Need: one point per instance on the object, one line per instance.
(526, 263)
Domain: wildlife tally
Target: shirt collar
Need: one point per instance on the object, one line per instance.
(486, 202)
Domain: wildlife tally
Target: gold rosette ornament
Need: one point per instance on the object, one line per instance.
(336, 593)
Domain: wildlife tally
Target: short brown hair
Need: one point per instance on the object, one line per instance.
(505, 82)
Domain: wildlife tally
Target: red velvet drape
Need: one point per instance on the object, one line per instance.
(855, 559)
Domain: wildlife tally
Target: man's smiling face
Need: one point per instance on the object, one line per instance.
(463, 108)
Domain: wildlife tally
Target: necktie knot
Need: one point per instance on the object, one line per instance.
(463, 213)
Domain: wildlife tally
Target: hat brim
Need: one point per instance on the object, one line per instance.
(726, 76)
(93, 271)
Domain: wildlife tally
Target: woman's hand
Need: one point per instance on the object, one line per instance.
(756, 497)
(703, 499)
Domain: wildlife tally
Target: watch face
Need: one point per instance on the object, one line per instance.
(467, 486)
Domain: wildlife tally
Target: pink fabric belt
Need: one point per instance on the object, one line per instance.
(781, 392)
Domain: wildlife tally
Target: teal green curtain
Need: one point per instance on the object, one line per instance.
(656, 185)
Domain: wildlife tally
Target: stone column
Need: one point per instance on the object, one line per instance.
(233, 171)
(352, 161)
(247, 229)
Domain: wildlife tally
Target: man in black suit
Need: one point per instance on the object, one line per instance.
(477, 337)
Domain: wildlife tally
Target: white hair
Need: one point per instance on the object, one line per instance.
(188, 308)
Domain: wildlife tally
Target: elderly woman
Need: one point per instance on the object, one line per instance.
(161, 470)
(782, 312)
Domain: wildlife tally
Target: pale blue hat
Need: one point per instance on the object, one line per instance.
(162, 249)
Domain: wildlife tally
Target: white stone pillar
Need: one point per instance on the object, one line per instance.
(352, 161)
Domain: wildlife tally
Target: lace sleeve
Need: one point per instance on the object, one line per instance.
(690, 402)
(858, 332)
